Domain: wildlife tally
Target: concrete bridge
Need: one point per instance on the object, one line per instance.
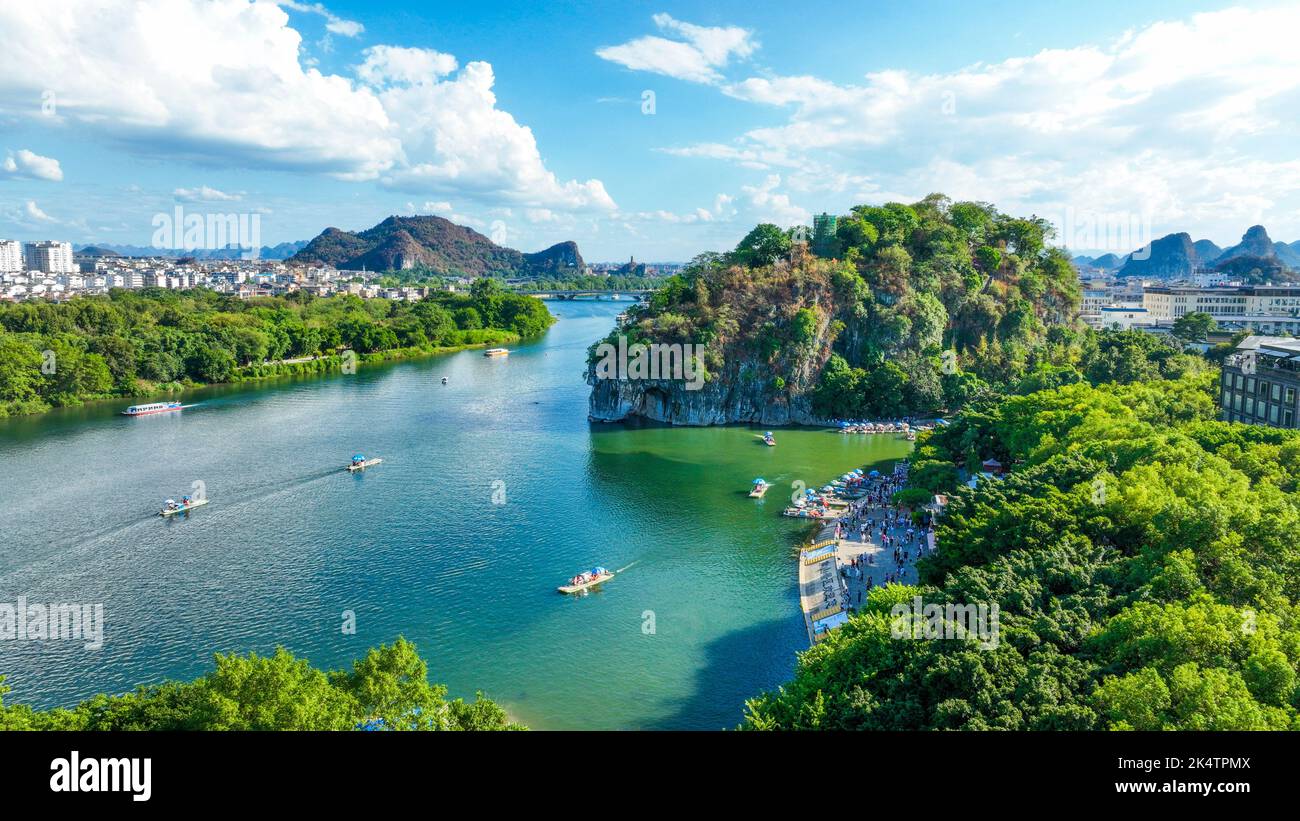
(631, 296)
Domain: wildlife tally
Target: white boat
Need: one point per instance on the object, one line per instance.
(444, 380)
(582, 581)
(496, 352)
(359, 462)
(155, 407)
(185, 505)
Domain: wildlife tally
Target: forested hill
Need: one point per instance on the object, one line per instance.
(861, 327)
(437, 245)
(1143, 558)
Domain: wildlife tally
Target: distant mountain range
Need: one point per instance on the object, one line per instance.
(396, 244)
(442, 246)
(1257, 258)
(282, 251)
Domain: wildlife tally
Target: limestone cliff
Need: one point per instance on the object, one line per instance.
(745, 396)
(913, 309)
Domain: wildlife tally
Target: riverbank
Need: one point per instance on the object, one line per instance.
(305, 366)
(140, 343)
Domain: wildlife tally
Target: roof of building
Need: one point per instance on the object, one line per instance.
(1284, 347)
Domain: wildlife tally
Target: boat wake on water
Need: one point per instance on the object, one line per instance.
(621, 569)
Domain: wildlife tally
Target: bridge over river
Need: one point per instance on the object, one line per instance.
(632, 296)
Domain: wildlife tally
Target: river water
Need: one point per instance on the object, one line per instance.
(494, 489)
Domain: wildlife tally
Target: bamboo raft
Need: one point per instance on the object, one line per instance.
(183, 508)
(578, 588)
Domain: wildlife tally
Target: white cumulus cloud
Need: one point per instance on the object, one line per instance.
(696, 55)
(204, 194)
(458, 140)
(223, 82)
(333, 23)
(29, 165)
(1185, 121)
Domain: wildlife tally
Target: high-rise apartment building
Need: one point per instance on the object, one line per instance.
(11, 256)
(49, 257)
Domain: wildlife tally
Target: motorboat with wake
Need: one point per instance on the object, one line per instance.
(360, 462)
(153, 407)
(582, 581)
(171, 507)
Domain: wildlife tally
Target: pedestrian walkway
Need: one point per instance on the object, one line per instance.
(837, 567)
(874, 561)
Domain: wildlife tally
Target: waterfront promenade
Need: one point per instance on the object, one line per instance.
(868, 546)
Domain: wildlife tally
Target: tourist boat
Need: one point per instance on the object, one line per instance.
(496, 352)
(171, 507)
(154, 407)
(768, 440)
(760, 487)
(582, 581)
(798, 512)
(360, 462)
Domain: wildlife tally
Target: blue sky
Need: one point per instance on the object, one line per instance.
(525, 120)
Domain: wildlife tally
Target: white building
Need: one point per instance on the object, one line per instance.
(1168, 302)
(49, 257)
(11, 255)
(1124, 318)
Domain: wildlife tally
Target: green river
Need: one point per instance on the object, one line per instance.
(494, 489)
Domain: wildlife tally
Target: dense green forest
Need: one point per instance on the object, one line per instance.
(907, 309)
(136, 343)
(387, 689)
(1143, 557)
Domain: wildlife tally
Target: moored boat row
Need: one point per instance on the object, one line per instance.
(906, 428)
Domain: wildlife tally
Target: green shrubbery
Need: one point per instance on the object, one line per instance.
(1143, 559)
(133, 343)
(388, 688)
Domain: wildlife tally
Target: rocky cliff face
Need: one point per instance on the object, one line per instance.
(719, 402)
(742, 391)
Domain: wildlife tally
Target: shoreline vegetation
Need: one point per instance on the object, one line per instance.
(388, 689)
(155, 342)
(1142, 557)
